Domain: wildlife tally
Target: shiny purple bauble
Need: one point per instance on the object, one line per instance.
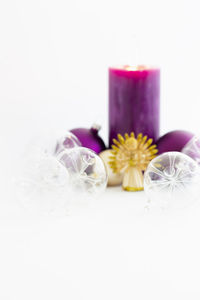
(89, 138)
(173, 141)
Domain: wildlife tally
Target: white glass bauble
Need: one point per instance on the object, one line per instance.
(172, 180)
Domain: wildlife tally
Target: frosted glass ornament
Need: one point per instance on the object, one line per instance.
(172, 180)
(67, 141)
(87, 172)
(192, 149)
(44, 183)
(52, 142)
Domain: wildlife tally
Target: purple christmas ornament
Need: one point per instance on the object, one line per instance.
(173, 141)
(90, 138)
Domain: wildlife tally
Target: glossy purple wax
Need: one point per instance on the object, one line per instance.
(134, 102)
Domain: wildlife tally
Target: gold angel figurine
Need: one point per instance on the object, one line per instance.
(131, 156)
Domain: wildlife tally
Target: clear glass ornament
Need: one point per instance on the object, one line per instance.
(44, 183)
(67, 141)
(172, 180)
(192, 149)
(86, 170)
(52, 142)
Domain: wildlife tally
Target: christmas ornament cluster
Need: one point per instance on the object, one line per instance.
(78, 163)
(53, 173)
(168, 171)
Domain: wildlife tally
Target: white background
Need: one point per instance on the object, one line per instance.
(54, 57)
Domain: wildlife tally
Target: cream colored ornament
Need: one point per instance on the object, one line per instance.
(113, 178)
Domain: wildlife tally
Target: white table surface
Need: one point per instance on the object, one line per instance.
(110, 249)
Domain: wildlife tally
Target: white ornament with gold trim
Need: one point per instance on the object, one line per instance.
(113, 178)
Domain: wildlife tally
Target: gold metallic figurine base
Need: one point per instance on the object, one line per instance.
(132, 189)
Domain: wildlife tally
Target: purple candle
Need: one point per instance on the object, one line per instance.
(134, 101)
